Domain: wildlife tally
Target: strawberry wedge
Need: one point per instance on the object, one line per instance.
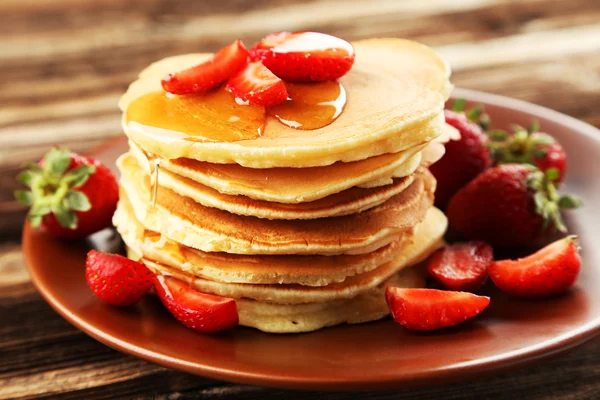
(547, 272)
(257, 85)
(209, 74)
(117, 280)
(431, 309)
(461, 266)
(198, 311)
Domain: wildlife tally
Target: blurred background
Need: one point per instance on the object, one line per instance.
(64, 63)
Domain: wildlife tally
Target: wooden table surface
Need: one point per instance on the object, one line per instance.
(64, 63)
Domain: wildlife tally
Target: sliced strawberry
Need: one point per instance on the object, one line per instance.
(258, 85)
(305, 56)
(549, 271)
(461, 266)
(117, 280)
(209, 74)
(430, 309)
(198, 311)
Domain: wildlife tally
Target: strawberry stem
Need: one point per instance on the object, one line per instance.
(548, 203)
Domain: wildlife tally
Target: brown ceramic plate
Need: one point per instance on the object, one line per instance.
(371, 356)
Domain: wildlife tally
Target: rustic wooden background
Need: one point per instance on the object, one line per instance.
(64, 63)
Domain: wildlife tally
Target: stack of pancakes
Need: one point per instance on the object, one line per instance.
(305, 228)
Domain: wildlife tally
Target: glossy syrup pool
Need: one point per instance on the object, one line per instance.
(310, 105)
(218, 116)
(212, 116)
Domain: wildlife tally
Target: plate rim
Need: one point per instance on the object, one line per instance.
(455, 373)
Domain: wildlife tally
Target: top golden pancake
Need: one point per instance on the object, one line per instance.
(395, 97)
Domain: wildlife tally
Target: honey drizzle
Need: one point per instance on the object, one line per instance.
(212, 116)
(218, 116)
(154, 182)
(154, 163)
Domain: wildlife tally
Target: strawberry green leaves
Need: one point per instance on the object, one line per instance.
(547, 200)
(52, 188)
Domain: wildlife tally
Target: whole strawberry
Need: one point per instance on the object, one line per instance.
(510, 205)
(529, 146)
(71, 195)
(115, 279)
(464, 158)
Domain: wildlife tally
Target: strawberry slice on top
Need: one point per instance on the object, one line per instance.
(209, 74)
(257, 85)
(305, 56)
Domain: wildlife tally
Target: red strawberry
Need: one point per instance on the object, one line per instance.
(550, 156)
(529, 146)
(198, 311)
(305, 56)
(115, 279)
(431, 309)
(549, 271)
(209, 74)
(464, 158)
(509, 205)
(71, 195)
(258, 85)
(461, 266)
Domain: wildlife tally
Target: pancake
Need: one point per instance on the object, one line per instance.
(350, 201)
(297, 318)
(395, 98)
(183, 220)
(290, 185)
(236, 268)
(426, 238)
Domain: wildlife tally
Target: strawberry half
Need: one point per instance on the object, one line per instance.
(115, 279)
(304, 56)
(198, 311)
(431, 309)
(461, 266)
(209, 74)
(258, 85)
(71, 195)
(547, 272)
